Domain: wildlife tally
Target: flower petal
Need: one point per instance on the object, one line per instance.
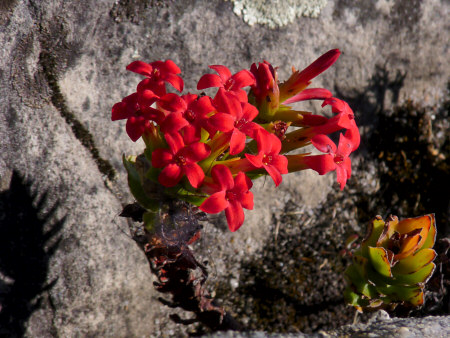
(175, 81)
(194, 173)
(140, 67)
(341, 174)
(237, 142)
(119, 112)
(222, 122)
(249, 111)
(241, 79)
(246, 200)
(135, 127)
(280, 162)
(196, 151)
(173, 123)
(235, 215)
(170, 175)
(353, 135)
(310, 94)
(175, 142)
(274, 173)
(170, 67)
(208, 81)
(321, 163)
(161, 157)
(224, 72)
(226, 102)
(264, 141)
(215, 203)
(222, 176)
(147, 97)
(172, 102)
(242, 183)
(345, 146)
(324, 144)
(255, 160)
(320, 65)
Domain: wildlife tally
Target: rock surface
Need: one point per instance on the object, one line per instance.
(66, 255)
(381, 327)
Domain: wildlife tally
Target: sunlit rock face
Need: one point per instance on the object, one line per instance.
(62, 182)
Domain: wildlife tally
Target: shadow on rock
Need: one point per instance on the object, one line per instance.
(371, 100)
(28, 238)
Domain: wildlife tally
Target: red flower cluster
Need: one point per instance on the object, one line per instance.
(208, 148)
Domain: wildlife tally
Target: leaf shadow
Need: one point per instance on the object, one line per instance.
(29, 237)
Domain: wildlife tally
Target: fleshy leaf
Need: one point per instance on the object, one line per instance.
(374, 231)
(388, 230)
(409, 246)
(401, 293)
(431, 238)
(379, 259)
(410, 224)
(420, 276)
(359, 282)
(134, 182)
(414, 262)
(355, 300)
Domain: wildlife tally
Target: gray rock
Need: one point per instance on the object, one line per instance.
(396, 327)
(62, 67)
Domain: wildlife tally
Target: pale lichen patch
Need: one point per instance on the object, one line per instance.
(276, 13)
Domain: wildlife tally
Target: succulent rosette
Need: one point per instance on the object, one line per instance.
(208, 150)
(393, 263)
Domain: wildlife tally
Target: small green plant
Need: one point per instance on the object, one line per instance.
(393, 263)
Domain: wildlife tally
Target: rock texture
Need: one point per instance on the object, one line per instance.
(377, 327)
(68, 266)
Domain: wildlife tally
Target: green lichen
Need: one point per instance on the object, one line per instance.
(276, 13)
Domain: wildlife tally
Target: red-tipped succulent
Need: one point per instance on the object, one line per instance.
(393, 264)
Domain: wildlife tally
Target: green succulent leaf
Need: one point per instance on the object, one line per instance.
(135, 184)
(352, 298)
(373, 233)
(379, 260)
(360, 283)
(152, 174)
(431, 238)
(417, 277)
(361, 263)
(414, 262)
(401, 293)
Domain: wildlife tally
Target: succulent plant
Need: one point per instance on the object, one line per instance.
(393, 263)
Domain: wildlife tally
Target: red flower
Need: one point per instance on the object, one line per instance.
(138, 118)
(231, 195)
(173, 107)
(335, 159)
(265, 90)
(300, 80)
(157, 74)
(196, 113)
(344, 119)
(180, 160)
(269, 157)
(231, 83)
(265, 79)
(235, 118)
(347, 119)
(310, 94)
